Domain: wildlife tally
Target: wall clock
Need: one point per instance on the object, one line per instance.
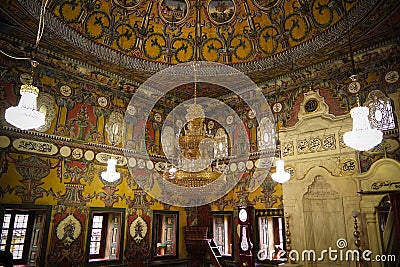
(245, 235)
(244, 245)
(243, 215)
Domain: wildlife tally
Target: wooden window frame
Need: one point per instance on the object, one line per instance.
(28, 233)
(104, 257)
(34, 257)
(275, 225)
(230, 232)
(160, 235)
(103, 236)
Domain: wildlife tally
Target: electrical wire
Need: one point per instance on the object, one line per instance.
(38, 36)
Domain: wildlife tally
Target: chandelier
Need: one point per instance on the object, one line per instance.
(195, 167)
(25, 115)
(111, 175)
(362, 137)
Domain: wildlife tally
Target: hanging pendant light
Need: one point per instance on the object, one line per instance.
(280, 176)
(25, 115)
(362, 137)
(111, 175)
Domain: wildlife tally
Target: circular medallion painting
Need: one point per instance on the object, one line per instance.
(221, 12)
(266, 4)
(129, 4)
(311, 105)
(173, 11)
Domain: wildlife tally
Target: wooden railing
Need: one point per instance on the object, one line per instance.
(214, 253)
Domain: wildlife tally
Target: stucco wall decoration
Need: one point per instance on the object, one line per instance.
(36, 147)
(68, 230)
(138, 244)
(115, 128)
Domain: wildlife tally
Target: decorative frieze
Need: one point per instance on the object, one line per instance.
(27, 145)
(310, 145)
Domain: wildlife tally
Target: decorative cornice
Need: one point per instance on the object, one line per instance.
(84, 44)
(331, 35)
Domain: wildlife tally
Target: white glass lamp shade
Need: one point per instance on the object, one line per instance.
(111, 175)
(25, 116)
(362, 137)
(280, 175)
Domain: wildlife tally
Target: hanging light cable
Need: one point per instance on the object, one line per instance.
(25, 115)
(362, 137)
(280, 176)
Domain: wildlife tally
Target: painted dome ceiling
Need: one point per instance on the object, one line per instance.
(262, 38)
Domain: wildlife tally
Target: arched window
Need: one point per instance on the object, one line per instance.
(380, 111)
